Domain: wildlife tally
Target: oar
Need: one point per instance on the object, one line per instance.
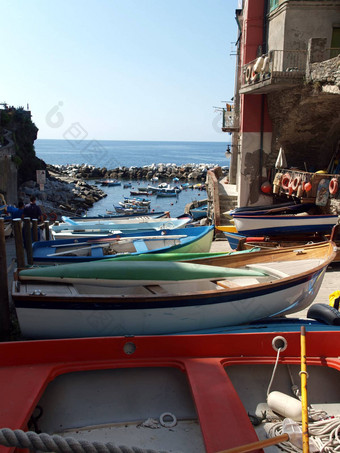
(105, 240)
(304, 403)
(121, 240)
(257, 445)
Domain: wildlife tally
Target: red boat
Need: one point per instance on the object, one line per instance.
(203, 393)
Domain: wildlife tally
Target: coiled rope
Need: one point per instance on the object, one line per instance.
(324, 430)
(48, 443)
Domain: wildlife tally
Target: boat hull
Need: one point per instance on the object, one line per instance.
(53, 316)
(255, 225)
(185, 240)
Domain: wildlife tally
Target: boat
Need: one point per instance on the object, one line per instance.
(133, 224)
(141, 201)
(199, 212)
(260, 225)
(184, 240)
(111, 182)
(112, 217)
(239, 242)
(200, 393)
(127, 208)
(279, 208)
(127, 185)
(110, 297)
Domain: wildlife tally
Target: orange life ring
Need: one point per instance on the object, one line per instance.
(295, 183)
(285, 181)
(333, 186)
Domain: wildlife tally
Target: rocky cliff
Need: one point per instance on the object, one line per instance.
(23, 134)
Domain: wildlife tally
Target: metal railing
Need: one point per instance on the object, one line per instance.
(277, 63)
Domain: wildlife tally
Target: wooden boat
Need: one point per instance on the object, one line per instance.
(280, 208)
(199, 213)
(103, 227)
(112, 217)
(260, 225)
(132, 298)
(239, 242)
(192, 239)
(202, 393)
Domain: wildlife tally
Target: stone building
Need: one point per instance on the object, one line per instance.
(287, 96)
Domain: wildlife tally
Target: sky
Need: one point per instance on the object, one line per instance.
(120, 69)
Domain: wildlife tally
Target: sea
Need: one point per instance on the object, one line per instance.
(113, 154)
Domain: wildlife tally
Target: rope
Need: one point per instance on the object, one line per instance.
(274, 370)
(325, 435)
(46, 443)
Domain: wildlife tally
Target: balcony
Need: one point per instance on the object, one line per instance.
(229, 119)
(277, 70)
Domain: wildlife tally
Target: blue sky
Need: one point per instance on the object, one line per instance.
(120, 69)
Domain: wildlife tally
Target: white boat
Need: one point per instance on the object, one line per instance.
(134, 224)
(110, 297)
(259, 225)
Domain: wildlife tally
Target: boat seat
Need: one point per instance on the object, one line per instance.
(97, 252)
(227, 284)
(140, 246)
(155, 289)
(268, 270)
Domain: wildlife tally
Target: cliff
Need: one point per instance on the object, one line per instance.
(18, 132)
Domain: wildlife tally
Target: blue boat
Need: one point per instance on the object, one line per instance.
(182, 240)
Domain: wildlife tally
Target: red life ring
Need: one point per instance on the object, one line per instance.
(285, 182)
(296, 182)
(44, 216)
(333, 186)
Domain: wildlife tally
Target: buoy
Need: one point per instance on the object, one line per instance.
(296, 182)
(308, 186)
(266, 187)
(285, 405)
(285, 182)
(333, 186)
(248, 73)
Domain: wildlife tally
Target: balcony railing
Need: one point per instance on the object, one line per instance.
(277, 63)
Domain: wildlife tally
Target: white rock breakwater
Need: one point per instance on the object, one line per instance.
(185, 172)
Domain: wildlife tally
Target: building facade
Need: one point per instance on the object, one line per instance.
(287, 92)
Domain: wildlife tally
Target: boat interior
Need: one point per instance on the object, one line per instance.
(199, 393)
(271, 272)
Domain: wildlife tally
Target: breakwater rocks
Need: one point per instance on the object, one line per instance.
(185, 172)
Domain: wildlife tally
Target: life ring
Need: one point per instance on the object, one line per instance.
(285, 181)
(253, 74)
(248, 73)
(295, 183)
(44, 216)
(324, 313)
(53, 216)
(333, 186)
